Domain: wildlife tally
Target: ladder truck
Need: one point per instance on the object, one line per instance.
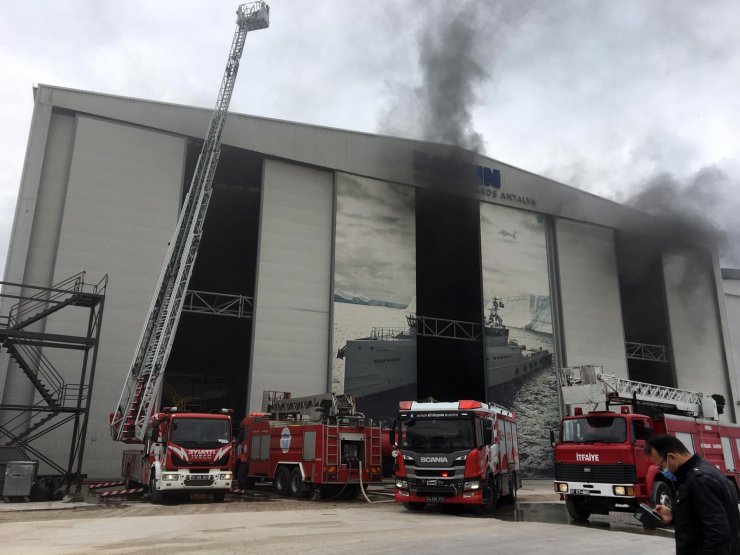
(133, 420)
(316, 446)
(600, 465)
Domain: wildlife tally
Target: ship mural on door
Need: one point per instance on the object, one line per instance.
(374, 294)
(519, 345)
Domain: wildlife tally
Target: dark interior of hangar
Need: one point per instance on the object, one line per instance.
(448, 285)
(209, 364)
(644, 312)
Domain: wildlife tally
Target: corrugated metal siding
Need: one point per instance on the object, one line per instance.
(376, 156)
(121, 208)
(592, 310)
(694, 323)
(290, 345)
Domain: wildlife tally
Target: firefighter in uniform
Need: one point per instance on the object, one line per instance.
(705, 513)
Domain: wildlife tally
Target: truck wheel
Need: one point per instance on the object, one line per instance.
(662, 494)
(415, 506)
(155, 497)
(298, 488)
(219, 496)
(282, 481)
(490, 496)
(577, 507)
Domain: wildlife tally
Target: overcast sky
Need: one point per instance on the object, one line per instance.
(605, 96)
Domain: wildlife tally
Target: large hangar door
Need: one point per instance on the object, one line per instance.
(293, 291)
(209, 364)
(448, 285)
(591, 307)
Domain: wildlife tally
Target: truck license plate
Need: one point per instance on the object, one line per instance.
(435, 499)
(580, 492)
(199, 477)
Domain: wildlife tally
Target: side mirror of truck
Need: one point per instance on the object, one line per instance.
(553, 440)
(392, 434)
(155, 432)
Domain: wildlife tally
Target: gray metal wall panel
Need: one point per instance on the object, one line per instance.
(591, 306)
(40, 212)
(364, 154)
(732, 306)
(121, 209)
(293, 295)
(694, 322)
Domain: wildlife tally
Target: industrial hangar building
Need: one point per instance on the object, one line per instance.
(336, 246)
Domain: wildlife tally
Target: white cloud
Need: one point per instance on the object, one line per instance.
(601, 95)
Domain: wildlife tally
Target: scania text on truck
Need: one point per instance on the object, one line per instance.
(182, 454)
(317, 445)
(461, 452)
(600, 464)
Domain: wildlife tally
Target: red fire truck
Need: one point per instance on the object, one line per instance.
(183, 453)
(461, 452)
(317, 445)
(600, 465)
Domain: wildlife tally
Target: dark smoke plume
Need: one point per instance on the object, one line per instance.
(451, 71)
(701, 210)
(439, 109)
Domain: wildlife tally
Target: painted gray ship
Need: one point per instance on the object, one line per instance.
(386, 359)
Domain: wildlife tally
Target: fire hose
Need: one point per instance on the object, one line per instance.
(362, 489)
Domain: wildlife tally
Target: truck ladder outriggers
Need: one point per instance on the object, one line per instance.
(141, 389)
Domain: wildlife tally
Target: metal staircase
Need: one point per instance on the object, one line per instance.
(143, 384)
(24, 337)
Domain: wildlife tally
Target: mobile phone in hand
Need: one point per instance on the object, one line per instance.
(649, 516)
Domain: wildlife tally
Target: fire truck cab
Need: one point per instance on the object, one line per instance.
(183, 453)
(600, 464)
(461, 452)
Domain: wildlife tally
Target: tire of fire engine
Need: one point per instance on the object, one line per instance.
(415, 506)
(282, 481)
(662, 494)
(219, 496)
(155, 497)
(577, 507)
(298, 488)
(490, 496)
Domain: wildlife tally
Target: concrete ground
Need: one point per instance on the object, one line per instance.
(262, 522)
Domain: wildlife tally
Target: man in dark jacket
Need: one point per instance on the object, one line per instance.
(704, 514)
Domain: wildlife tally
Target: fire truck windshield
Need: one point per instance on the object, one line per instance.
(200, 433)
(595, 429)
(436, 435)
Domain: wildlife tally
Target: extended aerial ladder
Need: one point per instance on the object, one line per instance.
(590, 385)
(142, 387)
